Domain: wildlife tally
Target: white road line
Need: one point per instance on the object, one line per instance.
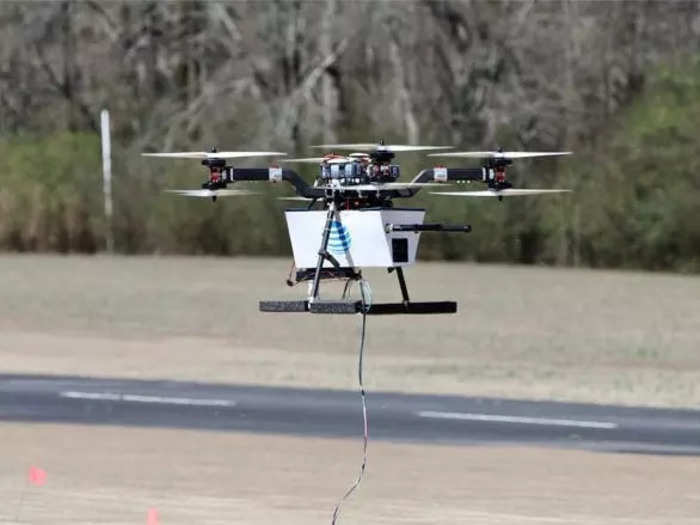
(135, 398)
(518, 419)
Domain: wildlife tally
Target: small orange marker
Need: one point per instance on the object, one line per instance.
(37, 476)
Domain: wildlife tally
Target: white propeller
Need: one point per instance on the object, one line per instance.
(215, 155)
(500, 154)
(309, 160)
(509, 192)
(204, 193)
(367, 146)
(381, 186)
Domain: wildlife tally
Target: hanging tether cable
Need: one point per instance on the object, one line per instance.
(364, 285)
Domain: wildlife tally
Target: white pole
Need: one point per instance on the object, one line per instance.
(107, 177)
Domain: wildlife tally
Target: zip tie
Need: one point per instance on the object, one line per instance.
(365, 309)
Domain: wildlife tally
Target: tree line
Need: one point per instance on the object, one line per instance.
(616, 82)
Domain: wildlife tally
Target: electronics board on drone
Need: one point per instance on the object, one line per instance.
(351, 220)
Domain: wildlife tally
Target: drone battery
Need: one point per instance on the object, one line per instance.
(358, 238)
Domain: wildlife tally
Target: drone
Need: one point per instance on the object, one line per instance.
(351, 220)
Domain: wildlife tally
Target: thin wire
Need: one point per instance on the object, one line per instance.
(366, 292)
(365, 308)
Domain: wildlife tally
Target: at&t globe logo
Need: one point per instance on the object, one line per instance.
(339, 240)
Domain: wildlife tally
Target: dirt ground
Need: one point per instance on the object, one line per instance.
(528, 332)
(114, 475)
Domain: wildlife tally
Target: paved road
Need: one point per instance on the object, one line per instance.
(396, 417)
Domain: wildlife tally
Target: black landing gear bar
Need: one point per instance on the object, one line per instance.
(402, 283)
(426, 228)
(319, 306)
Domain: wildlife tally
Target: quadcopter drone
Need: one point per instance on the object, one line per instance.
(351, 221)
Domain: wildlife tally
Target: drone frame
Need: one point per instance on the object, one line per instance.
(372, 196)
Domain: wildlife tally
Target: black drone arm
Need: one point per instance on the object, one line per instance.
(275, 175)
(450, 174)
(445, 175)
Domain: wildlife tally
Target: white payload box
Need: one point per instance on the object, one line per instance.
(359, 238)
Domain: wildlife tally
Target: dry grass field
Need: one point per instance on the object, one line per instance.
(520, 332)
(113, 476)
(539, 333)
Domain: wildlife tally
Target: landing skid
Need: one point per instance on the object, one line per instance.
(354, 307)
(322, 306)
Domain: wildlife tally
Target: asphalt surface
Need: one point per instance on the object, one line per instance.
(392, 416)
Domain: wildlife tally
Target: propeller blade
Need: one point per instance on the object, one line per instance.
(239, 154)
(399, 148)
(309, 160)
(500, 154)
(381, 186)
(215, 155)
(204, 193)
(179, 155)
(360, 146)
(510, 192)
(367, 146)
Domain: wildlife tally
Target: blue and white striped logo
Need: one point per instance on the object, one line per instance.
(339, 240)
